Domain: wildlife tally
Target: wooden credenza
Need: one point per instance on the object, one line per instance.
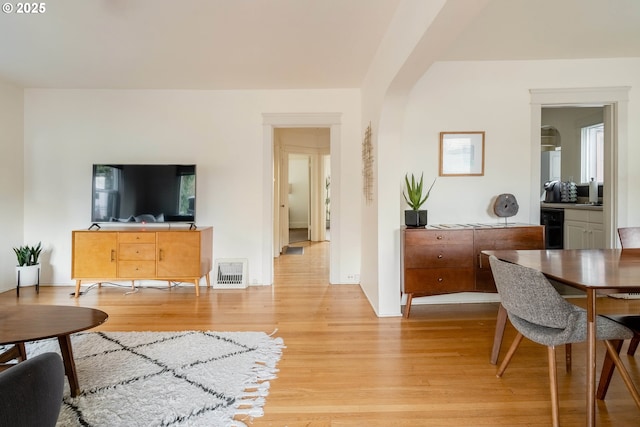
(142, 254)
(443, 259)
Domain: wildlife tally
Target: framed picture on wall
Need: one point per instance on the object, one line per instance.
(462, 153)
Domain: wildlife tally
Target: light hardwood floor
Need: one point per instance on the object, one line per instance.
(343, 366)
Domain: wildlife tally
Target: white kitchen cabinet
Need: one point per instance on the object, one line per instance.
(583, 229)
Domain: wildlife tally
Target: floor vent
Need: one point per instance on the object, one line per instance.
(230, 274)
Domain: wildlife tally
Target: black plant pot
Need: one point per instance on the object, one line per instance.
(415, 219)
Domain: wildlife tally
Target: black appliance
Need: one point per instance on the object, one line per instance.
(552, 192)
(553, 221)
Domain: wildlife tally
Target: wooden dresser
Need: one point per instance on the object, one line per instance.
(139, 253)
(444, 259)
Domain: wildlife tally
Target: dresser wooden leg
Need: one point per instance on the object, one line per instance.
(407, 308)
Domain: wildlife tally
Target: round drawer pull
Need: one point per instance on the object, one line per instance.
(440, 256)
(440, 237)
(440, 279)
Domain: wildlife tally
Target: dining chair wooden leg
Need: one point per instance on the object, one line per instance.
(633, 345)
(607, 371)
(613, 352)
(501, 323)
(507, 358)
(553, 386)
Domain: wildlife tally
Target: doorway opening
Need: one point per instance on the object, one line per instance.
(271, 175)
(613, 102)
(302, 184)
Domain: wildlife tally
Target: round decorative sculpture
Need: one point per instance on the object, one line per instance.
(506, 205)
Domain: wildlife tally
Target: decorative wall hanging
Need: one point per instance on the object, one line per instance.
(461, 153)
(367, 166)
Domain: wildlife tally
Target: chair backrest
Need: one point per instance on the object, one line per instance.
(32, 392)
(527, 294)
(629, 237)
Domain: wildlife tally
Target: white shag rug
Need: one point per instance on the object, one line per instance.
(188, 378)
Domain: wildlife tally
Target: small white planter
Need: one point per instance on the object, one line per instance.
(28, 275)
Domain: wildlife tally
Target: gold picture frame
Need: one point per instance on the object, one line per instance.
(462, 153)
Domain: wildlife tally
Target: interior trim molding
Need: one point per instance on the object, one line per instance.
(301, 119)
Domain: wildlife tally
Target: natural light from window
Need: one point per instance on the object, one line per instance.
(592, 153)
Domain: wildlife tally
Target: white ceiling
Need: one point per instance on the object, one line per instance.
(278, 44)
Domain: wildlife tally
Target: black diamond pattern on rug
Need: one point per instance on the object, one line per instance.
(167, 378)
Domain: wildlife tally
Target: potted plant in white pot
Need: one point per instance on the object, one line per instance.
(28, 268)
(415, 217)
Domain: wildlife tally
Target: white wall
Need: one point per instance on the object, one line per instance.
(11, 181)
(419, 32)
(494, 97)
(66, 131)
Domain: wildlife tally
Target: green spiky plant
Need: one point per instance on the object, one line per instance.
(413, 195)
(28, 255)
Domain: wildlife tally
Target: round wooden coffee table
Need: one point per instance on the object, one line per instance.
(23, 323)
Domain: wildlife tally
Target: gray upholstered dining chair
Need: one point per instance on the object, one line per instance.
(537, 311)
(32, 392)
(629, 238)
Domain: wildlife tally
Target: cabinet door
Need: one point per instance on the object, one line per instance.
(575, 233)
(94, 254)
(596, 236)
(178, 254)
(501, 239)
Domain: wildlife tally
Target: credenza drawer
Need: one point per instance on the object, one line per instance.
(134, 237)
(438, 237)
(433, 281)
(135, 251)
(131, 269)
(439, 256)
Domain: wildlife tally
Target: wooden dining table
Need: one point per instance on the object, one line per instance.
(23, 323)
(594, 271)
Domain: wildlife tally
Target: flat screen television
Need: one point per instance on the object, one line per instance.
(143, 193)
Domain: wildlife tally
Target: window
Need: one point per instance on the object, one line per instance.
(592, 153)
(187, 196)
(106, 194)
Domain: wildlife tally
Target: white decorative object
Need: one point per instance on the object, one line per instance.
(593, 191)
(28, 275)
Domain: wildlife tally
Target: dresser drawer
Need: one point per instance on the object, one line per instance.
(519, 238)
(433, 281)
(438, 256)
(135, 251)
(438, 237)
(134, 269)
(134, 237)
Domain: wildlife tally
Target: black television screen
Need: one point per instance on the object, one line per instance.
(143, 193)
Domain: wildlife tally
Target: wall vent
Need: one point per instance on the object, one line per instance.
(230, 274)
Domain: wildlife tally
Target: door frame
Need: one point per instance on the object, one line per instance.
(615, 102)
(271, 121)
